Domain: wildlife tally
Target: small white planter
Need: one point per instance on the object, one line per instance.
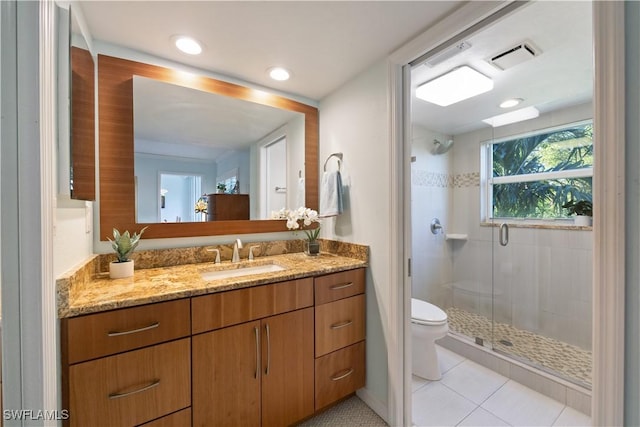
(120, 270)
(582, 221)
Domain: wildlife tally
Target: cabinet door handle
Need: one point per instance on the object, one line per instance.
(266, 371)
(133, 331)
(256, 331)
(345, 375)
(341, 324)
(341, 286)
(151, 385)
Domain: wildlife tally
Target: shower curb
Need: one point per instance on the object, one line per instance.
(565, 392)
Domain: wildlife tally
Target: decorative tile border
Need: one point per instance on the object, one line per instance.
(423, 178)
(463, 180)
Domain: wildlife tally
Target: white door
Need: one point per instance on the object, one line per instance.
(276, 177)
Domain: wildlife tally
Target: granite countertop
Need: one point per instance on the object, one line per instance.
(149, 285)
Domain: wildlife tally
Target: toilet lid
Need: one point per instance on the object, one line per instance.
(427, 314)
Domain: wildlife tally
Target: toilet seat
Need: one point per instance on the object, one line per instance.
(424, 313)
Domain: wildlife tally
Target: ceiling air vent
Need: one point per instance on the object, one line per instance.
(514, 56)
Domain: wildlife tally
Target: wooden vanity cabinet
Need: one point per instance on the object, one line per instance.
(260, 371)
(268, 355)
(339, 335)
(126, 367)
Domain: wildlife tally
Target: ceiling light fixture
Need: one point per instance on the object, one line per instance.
(188, 45)
(459, 84)
(511, 102)
(280, 74)
(513, 117)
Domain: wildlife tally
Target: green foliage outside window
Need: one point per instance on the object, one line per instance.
(548, 152)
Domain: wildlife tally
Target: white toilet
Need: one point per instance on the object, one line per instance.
(428, 323)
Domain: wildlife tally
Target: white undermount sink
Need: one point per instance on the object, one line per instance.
(241, 271)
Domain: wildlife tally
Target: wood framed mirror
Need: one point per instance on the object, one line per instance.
(116, 153)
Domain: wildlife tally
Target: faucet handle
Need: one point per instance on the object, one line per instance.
(251, 248)
(217, 251)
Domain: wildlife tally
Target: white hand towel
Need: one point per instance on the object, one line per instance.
(301, 194)
(331, 194)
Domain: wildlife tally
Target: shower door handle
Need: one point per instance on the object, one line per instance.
(504, 234)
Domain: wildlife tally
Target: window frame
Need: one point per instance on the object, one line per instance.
(487, 180)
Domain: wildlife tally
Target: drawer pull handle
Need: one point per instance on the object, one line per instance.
(345, 375)
(257, 333)
(341, 324)
(266, 371)
(341, 286)
(151, 385)
(133, 331)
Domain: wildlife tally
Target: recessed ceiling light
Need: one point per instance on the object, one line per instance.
(513, 117)
(511, 102)
(280, 74)
(188, 45)
(457, 85)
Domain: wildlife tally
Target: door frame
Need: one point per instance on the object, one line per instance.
(608, 228)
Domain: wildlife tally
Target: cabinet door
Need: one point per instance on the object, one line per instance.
(226, 377)
(287, 368)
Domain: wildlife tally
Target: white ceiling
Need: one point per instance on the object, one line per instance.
(323, 43)
(560, 76)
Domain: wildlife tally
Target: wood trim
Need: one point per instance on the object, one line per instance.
(117, 186)
(83, 128)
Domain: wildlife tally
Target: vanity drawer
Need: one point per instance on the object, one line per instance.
(340, 285)
(131, 388)
(177, 419)
(102, 334)
(228, 308)
(339, 324)
(339, 374)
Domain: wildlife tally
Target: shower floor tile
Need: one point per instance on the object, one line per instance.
(568, 361)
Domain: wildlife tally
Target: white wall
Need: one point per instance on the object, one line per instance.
(354, 122)
(543, 280)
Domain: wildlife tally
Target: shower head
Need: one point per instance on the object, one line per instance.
(441, 147)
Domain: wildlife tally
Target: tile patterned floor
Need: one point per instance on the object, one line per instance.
(352, 412)
(471, 395)
(567, 361)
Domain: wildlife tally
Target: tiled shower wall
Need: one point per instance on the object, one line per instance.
(543, 277)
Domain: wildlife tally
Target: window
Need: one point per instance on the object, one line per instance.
(531, 176)
(228, 181)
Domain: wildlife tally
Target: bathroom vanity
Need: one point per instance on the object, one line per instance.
(266, 349)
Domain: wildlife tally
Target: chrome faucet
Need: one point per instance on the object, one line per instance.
(236, 256)
(251, 248)
(217, 251)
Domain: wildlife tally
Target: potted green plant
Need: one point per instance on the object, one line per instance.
(582, 209)
(123, 244)
(222, 188)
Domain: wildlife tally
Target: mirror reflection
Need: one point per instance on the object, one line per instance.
(206, 157)
(82, 140)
